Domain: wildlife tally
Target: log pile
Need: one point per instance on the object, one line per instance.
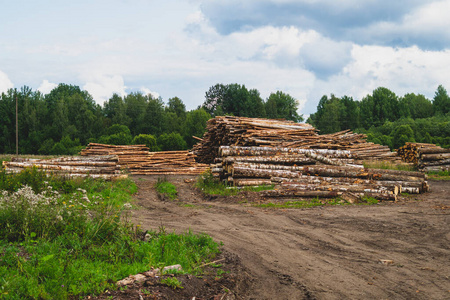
(427, 157)
(168, 163)
(312, 172)
(104, 166)
(240, 131)
(137, 159)
(227, 131)
(127, 154)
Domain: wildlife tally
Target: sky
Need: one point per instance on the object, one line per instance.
(180, 48)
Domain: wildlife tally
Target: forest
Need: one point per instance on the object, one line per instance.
(65, 120)
(388, 119)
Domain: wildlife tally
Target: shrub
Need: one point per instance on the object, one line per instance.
(146, 139)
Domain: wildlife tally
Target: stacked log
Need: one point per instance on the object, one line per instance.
(168, 163)
(137, 159)
(312, 172)
(427, 157)
(104, 166)
(227, 131)
(128, 154)
(240, 131)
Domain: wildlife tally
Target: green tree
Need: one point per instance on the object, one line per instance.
(146, 139)
(136, 107)
(415, 106)
(381, 106)
(174, 115)
(117, 134)
(195, 125)
(441, 101)
(115, 110)
(348, 113)
(233, 99)
(153, 122)
(214, 99)
(402, 134)
(177, 106)
(282, 106)
(171, 141)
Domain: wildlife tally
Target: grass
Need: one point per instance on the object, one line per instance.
(388, 165)
(441, 175)
(8, 157)
(212, 186)
(67, 239)
(166, 189)
(172, 282)
(313, 203)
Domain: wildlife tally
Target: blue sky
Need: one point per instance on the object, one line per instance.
(307, 48)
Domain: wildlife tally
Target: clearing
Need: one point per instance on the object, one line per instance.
(331, 252)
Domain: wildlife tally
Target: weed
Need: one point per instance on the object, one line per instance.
(172, 282)
(388, 165)
(368, 201)
(441, 175)
(166, 189)
(212, 186)
(313, 202)
(68, 239)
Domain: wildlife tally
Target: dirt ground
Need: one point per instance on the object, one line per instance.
(331, 252)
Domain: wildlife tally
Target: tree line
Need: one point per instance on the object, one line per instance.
(387, 118)
(67, 119)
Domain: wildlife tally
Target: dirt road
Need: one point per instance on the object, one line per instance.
(331, 252)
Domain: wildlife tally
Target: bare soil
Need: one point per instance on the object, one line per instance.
(331, 252)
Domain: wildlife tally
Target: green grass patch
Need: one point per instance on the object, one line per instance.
(313, 203)
(166, 189)
(75, 242)
(388, 165)
(172, 282)
(212, 186)
(441, 175)
(189, 205)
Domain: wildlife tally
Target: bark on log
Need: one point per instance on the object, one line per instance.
(435, 163)
(343, 188)
(327, 171)
(298, 193)
(251, 182)
(435, 150)
(264, 151)
(436, 168)
(438, 156)
(329, 161)
(280, 159)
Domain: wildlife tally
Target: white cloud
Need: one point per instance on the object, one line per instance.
(46, 87)
(402, 70)
(425, 25)
(147, 91)
(5, 83)
(102, 87)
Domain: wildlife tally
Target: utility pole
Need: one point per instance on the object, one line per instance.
(17, 128)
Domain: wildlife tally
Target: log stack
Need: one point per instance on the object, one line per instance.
(104, 166)
(127, 154)
(227, 131)
(427, 157)
(137, 159)
(312, 172)
(240, 131)
(168, 163)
